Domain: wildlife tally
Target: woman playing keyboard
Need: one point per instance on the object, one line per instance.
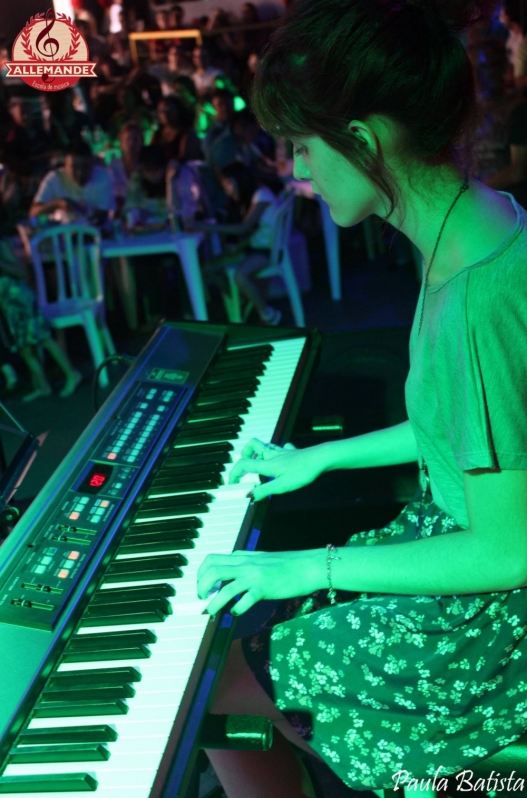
(400, 655)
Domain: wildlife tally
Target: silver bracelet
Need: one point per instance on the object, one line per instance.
(331, 555)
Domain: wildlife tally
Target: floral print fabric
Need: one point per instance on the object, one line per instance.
(380, 683)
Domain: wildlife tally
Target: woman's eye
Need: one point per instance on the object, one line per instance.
(300, 151)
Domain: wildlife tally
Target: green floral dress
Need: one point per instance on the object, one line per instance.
(380, 683)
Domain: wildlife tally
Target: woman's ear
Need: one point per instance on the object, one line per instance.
(365, 133)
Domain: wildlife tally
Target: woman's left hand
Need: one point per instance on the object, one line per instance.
(260, 575)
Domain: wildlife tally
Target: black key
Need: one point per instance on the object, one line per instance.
(181, 474)
(116, 595)
(60, 782)
(181, 504)
(143, 568)
(68, 693)
(264, 351)
(113, 639)
(183, 540)
(184, 500)
(182, 527)
(153, 614)
(243, 388)
(229, 380)
(223, 403)
(99, 733)
(243, 368)
(184, 473)
(232, 394)
(111, 646)
(122, 675)
(152, 544)
(208, 453)
(72, 709)
(153, 610)
(142, 604)
(83, 752)
(166, 485)
(239, 358)
(221, 412)
(138, 651)
(187, 439)
(228, 429)
(214, 448)
(159, 530)
(164, 511)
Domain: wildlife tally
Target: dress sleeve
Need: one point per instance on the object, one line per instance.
(484, 403)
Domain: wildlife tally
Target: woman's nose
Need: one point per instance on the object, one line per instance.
(300, 170)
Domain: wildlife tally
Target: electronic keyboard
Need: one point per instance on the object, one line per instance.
(107, 660)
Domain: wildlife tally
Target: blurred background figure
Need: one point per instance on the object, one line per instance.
(79, 190)
(204, 75)
(176, 132)
(252, 208)
(223, 103)
(500, 147)
(29, 330)
(25, 138)
(511, 17)
(121, 169)
(62, 122)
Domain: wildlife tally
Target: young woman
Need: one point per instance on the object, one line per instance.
(419, 665)
(255, 205)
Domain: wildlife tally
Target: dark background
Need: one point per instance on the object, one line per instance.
(15, 13)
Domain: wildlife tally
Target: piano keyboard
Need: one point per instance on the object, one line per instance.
(103, 720)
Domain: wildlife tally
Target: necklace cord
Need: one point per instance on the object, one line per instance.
(464, 187)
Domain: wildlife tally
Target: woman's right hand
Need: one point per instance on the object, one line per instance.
(290, 468)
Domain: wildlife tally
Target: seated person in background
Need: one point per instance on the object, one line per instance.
(204, 75)
(223, 103)
(177, 63)
(62, 123)
(185, 90)
(17, 189)
(176, 134)
(236, 143)
(25, 137)
(121, 169)
(28, 329)
(80, 190)
(500, 143)
(249, 40)
(146, 194)
(257, 205)
(160, 187)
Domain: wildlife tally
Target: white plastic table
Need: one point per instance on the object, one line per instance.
(183, 244)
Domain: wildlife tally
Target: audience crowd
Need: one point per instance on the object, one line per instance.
(171, 143)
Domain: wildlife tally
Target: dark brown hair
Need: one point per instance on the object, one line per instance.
(331, 61)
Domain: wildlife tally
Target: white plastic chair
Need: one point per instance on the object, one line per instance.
(75, 250)
(280, 265)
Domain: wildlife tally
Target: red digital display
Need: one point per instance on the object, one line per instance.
(97, 479)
